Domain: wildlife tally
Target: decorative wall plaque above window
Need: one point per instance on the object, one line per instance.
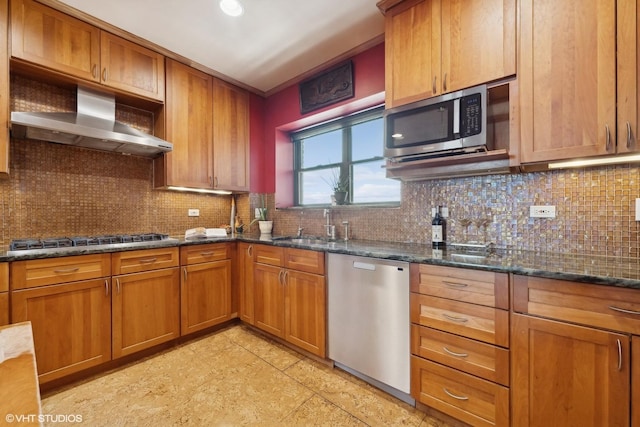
(331, 86)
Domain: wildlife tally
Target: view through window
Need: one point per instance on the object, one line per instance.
(343, 154)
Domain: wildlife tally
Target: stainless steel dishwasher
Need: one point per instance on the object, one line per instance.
(368, 305)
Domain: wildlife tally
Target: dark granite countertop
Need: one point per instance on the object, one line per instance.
(611, 271)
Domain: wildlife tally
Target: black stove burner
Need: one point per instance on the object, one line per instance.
(65, 242)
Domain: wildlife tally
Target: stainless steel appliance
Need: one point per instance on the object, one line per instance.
(93, 126)
(368, 308)
(78, 244)
(454, 123)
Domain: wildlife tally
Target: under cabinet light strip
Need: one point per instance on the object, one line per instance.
(595, 162)
(200, 190)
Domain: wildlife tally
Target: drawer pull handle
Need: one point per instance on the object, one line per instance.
(623, 310)
(118, 285)
(454, 318)
(207, 253)
(148, 260)
(453, 353)
(619, 354)
(455, 285)
(106, 288)
(67, 270)
(250, 251)
(185, 273)
(455, 396)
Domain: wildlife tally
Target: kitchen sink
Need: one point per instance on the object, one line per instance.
(304, 240)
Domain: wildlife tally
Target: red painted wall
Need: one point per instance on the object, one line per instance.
(272, 170)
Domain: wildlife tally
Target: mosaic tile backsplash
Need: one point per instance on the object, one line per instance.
(57, 190)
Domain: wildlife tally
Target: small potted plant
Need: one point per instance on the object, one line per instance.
(339, 186)
(266, 227)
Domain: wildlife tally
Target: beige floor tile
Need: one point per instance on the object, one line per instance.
(367, 403)
(230, 378)
(318, 411)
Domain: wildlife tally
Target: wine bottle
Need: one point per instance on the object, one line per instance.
(438, 230)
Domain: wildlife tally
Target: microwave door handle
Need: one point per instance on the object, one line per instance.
(456, 116)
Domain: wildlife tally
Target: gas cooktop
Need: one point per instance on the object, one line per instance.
(24, 246)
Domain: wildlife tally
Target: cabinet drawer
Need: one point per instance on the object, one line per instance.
(50, 271)
(304, 260)
(461, 284)
(197, 254)
(266, 254)
(473, 321)
(483, 360)
(144, 260)
(472, 400)
(600, 306)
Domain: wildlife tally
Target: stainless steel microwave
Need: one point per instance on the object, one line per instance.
(448, 124)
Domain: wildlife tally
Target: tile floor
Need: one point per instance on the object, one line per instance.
(229, 378)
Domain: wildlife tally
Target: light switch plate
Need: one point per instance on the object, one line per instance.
(542, 211)
(637, 209)
(194, 212)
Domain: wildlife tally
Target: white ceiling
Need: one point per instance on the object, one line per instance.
(272, 43)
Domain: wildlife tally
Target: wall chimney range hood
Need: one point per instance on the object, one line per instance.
(93, 126)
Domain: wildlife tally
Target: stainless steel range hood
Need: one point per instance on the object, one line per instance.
(93, 126)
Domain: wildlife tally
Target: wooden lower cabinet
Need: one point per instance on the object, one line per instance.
(146, 310)
(244, 260)
(635, 381)
(268, 299)
(305, 310)
(205, 297)
(71, 325)
(568, 375)
(289, 303)
(4, 293)
(470, 399)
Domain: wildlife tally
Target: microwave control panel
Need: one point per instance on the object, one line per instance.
(470, 115)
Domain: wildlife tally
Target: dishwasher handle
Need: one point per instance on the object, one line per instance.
(364, 266)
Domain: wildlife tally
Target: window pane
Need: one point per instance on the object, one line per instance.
(314, 187)
(323, 149)
(367, 140)
(371, 186)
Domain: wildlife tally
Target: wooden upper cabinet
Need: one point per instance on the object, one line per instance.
(568, 79)
(131, 67)
(230, 136)
(49, 38)
(188, 110)
(55, 40)
(434, 46)
(628, 33)
(412, 52)
(4, 89)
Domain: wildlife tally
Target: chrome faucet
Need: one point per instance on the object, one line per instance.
(300, 228)
(346, 230)
(331, 229)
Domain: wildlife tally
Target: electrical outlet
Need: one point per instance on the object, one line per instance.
(194, 212)
(257, 213)
(543, 211)
(637, 209)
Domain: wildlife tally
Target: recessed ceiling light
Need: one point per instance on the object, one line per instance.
(231, 7)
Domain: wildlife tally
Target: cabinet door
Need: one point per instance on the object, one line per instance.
(146, 310)
(565, 375)
(478, 42)
(130, 67)
(71, 325)
(205, 298)
(245, 281)
(4, 89)
(628, 76)
(412, 52)
(567, 79)
(188, 113)
(4, 293)
(305, 305)
(268, 299)
(635, 381)
(230, 137)
(52, 39)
